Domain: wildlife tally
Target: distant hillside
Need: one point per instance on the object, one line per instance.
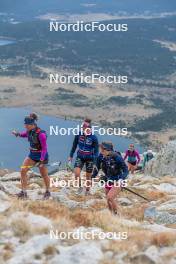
(28, 9)
(106, 51)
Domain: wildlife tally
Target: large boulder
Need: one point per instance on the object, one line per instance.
(81, 253)
(160, 217)
(164, 163)
(4, 202)
(38, 222)
(33, 248)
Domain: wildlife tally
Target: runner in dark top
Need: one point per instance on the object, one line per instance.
(114, 169)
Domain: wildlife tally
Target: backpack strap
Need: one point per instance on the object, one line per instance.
(118, 152)
(38, 130)
(115, 154)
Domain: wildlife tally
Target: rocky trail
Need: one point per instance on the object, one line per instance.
(26, 226)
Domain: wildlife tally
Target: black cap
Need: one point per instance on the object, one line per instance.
(107, 146)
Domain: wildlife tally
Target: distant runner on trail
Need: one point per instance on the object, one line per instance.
(38, 154)
(114, 169)
(87, 145)
(149, 155)
(133, 158)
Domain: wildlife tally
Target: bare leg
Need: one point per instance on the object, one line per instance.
(88, 181)
(25, 167)
(111, 196)
(108, 201)
(44, 173)
(133, 168)
(78, 175)
(129, 167)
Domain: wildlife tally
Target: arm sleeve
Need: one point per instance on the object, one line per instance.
(123, 166)
(75, 143)
(23, 134)
(138, 157)
(42, 138)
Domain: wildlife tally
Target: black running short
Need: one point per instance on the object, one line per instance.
(79, 163)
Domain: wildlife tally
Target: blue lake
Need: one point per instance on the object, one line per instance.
(13, 150)
(4, 42)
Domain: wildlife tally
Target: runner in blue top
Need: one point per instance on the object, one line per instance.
(114, 169)
(87, 145)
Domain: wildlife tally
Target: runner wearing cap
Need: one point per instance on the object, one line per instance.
(38, 153)
(87, 151)
(114, 169)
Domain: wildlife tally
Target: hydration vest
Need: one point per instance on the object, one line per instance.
(109, 165)
(86, 146)
(33, 138)
(149, 156)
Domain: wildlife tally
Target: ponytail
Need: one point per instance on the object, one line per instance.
(88, 120)
(34, 116)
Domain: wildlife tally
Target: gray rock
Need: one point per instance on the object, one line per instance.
(2, 260)
(124, 201)
(150, 213)
(130, 223)
(11, 176)
(108, 254)
(158, 228)
(7, 237)
(165, 187)
(167, 206)
(173, 261)
(34, 186)
(81, 253)
(119, 258)
(4, 202)
(4, 196)
(164, 163)
(168, 251)
(154, 252)
(36, 221)
(143, 258)
(62, 198)
(165, 218)
(159, 217)
(26, 253)
(9, 188)
(4, 206)
(35, 194)
(3, 172)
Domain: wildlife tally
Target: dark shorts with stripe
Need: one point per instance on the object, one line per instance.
(80, 162)
(132, 163)
(35, 156)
